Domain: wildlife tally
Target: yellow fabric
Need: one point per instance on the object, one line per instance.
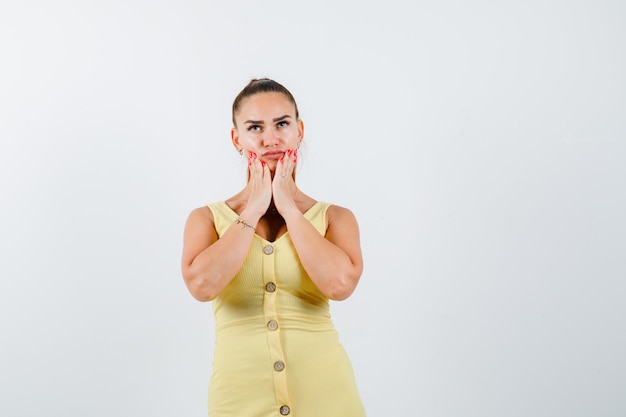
(317, 379)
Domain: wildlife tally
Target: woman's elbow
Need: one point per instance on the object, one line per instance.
(342, 288)
(202, 296)
(200, 288)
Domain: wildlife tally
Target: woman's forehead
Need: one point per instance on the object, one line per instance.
(266, 105)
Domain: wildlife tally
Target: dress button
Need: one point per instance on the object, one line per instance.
(272, 325)
(284, 410)
(270, 287)
(279, 366)
(268, 250)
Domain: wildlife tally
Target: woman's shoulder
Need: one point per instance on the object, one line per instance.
(337, 209)
(209, 209)
(337, 213)
(341, 224)
(201, 214)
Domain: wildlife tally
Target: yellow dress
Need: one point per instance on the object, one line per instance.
(276, 350)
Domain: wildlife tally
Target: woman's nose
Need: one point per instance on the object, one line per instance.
(270, 138)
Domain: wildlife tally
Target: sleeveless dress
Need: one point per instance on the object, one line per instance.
(277, 352)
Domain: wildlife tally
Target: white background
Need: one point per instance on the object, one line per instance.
(480, 144)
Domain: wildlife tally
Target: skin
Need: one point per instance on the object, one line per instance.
(268, 133)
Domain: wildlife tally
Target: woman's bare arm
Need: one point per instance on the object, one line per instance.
(209, 264)
(333, 262)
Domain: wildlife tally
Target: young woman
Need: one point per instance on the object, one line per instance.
(270, 257)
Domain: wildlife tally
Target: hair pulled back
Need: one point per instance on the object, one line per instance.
(261, 85)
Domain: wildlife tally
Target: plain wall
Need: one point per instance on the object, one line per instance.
(480, 144)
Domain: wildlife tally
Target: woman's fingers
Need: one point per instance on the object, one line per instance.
(283, 185)
(287, 164)
(259, 183)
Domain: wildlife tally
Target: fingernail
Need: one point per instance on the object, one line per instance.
(263, 163)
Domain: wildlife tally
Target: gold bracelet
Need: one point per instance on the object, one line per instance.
(244, 224)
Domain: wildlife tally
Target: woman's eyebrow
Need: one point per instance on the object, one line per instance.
(260, 122)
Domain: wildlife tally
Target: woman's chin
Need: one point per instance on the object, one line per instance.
(272, 166)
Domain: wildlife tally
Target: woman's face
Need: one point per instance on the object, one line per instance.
(267, 126)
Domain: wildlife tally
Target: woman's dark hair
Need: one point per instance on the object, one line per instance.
(261, 85)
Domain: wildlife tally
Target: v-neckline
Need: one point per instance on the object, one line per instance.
(279, 237)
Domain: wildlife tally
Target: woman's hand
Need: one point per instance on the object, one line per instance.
(283, 185)
(259, 186)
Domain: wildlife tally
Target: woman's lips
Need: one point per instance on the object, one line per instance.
(273, 154)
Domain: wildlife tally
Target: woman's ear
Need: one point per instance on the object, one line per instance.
(300, 130)
(234, 136)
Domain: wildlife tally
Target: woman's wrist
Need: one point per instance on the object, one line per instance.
(291, 214)
(250, 217)
(244, 224)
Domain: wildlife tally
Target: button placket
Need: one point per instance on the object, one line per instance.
(273, 328)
